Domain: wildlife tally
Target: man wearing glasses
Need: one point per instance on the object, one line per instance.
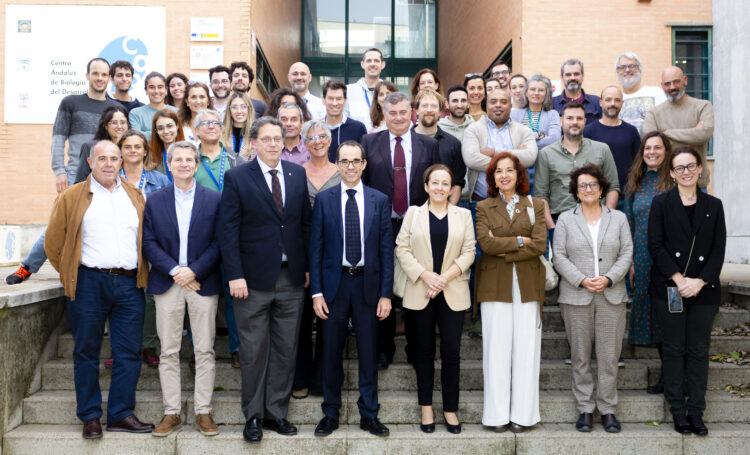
(685, 120)
(501, 72)
(351, 276)
(265, 218)
(216, 158)
(637, 98)
(221, 86)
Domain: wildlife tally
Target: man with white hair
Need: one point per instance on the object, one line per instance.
(637, 98)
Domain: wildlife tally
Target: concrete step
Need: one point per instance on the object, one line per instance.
(724, 438)
(58, 407)
(554, 347)
(554, 375)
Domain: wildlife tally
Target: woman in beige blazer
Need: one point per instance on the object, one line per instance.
(435, 248)
(510, 287)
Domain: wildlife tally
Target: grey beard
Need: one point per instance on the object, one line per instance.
(627, 84)
(572, 136)
(675, 98)
(573, 87)
(606, 114)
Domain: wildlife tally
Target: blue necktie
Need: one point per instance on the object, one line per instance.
(351, 229)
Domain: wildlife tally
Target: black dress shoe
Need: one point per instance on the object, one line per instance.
(455, 429)
(610, 423)
(253, 431)
(585, 422)
(280, 426)
(374, 426)
(427, 427)
(657, 388)
(696, 424)
(516, 428)
(92, 429)
(382, 361)
(681, 424)
(497, 428)
(326, 426)
(131, 424)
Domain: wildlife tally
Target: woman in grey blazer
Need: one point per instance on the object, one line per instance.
(593, 250)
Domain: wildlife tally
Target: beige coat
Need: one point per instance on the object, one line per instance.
(414, 253)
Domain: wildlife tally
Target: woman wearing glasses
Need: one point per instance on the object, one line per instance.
(686, 239)
(593, 251)
(237, 124)
(112, 123)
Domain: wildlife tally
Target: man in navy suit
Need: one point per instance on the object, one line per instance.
(396, 161)
(179, 241)
(351, 275)
(265, 218)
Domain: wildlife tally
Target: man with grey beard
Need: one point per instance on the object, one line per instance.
(685, 120)
(637, 98)
(571, 73)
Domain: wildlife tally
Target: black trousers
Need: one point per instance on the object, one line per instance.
(685, 340)
(422, 336)
(309, 350)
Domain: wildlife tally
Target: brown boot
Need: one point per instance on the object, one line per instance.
(206, 425)
(168, 424)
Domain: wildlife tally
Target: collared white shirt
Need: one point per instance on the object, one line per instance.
(406, 145)
(360, 198)
(267, 175)
(314, 106)
(497, 138)
(110, 229)
(594, 231)
(183, 204)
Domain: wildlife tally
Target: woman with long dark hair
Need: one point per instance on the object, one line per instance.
(112, 124)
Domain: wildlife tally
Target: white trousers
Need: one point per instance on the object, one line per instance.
(170, 314)
(511, 342)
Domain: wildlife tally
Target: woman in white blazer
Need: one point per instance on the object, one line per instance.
(436, 248)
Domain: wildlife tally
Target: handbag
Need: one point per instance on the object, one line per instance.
(550, 276)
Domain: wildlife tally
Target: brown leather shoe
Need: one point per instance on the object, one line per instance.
(92, 429)
(168, 424)
(150, 357)
(236, 360)
(205, 424)
(130, 424)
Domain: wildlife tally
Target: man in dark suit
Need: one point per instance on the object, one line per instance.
(179, 240)
(351, 275)
(265, 217)
(396, 161)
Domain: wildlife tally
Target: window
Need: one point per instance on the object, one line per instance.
(264, 77)
(691, 51)
(506, 56)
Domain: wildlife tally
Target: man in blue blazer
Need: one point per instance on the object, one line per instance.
(179, 240)
(265, 220)
(396, 161)
(351, 276)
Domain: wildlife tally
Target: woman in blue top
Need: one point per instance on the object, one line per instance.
(648, 177)
(537, 113)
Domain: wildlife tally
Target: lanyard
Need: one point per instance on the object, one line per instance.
(234, 143)
(367, 97)
(531, 121)
(166, 166)
(220, 183)
(143, 177)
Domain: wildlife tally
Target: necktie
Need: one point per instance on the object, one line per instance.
(351, 227)
(400, 199)
(276, 190)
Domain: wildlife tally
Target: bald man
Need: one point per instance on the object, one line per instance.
(685, 120)
(299, 79)
(621, 137)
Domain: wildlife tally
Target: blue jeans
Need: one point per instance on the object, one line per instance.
(100, 296)
(36, 257)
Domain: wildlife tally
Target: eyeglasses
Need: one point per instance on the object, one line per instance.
(593, 186)
(268, 140)
(356, 162)
(501, 73)
(220, 81)
(238, 107)
(118, 122)
(319, 137)
(209, 123)
(681, 169)
(630, 67)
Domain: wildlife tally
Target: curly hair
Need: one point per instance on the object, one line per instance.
(522, 175)
(588, 169)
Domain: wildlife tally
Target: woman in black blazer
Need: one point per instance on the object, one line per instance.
(686, 239)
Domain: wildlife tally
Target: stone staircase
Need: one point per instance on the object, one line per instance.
(49, 424)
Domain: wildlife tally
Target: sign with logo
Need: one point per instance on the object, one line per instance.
(47, 48)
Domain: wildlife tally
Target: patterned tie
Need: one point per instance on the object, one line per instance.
(351, 227)
(400, 198)
(276, 190)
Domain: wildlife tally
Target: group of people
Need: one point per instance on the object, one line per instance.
(339, 211)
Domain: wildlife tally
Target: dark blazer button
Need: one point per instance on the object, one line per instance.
(600, 259)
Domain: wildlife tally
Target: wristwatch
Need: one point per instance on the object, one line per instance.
(520, 241)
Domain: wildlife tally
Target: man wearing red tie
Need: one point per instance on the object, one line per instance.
(396, 161)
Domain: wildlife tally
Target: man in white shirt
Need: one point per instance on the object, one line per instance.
(299, 78)
(637, 98)
(94, 241)
(221, 85)
(361, 93)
